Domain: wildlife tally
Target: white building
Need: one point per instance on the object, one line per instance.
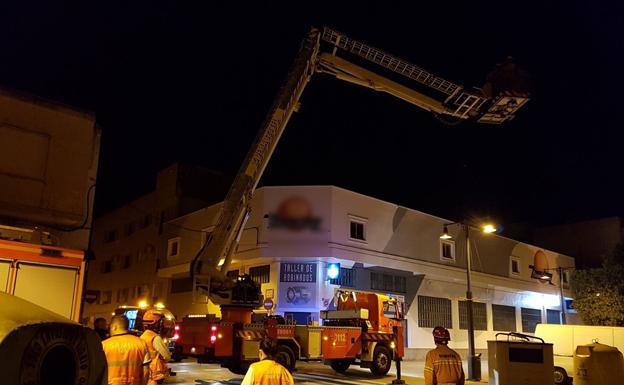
(294, 232)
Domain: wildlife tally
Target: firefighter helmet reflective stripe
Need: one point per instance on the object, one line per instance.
(440, 333)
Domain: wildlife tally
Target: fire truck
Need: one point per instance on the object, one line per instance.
(365, 328)
(361, 330)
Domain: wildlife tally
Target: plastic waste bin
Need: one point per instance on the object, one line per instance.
(597, 364)
(520, 359)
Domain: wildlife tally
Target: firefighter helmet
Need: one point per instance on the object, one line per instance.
(441, 335)
(152, 318)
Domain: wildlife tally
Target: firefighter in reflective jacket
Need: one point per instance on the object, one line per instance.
(127, 355)
(443, 365)
(267, 371)
(153, 321)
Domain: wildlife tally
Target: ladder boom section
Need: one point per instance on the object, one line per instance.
(390, 62)
(208, 278)
(347, 71)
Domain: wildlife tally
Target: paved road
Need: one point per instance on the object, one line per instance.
(191, 373)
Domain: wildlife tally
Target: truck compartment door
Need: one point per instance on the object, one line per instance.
(50, 287)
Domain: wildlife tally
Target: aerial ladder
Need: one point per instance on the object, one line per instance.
(331, 52)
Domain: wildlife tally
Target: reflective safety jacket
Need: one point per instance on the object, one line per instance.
(158, 365)
(267, 372)
(125, 354)
(443, 366)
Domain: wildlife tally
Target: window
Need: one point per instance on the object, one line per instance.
(553, 316)
(122, 295)
(530, 318)
(504, 318)
(232, 274)
(260, 274)
(147, 221)
(565, 277)
(126, 262)
(110, 236)
(447, 250)
(107, 266)
(433, 311)
(514, 266)
(173, 247)
(129, 228)
(388, 282)
(345, 278)
(181, 285)
(357, 230)
(107, 297)
(479, 315)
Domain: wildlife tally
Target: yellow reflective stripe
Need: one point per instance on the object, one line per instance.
(428, 369)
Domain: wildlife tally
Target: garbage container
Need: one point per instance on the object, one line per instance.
(596, 364)
(520, 359)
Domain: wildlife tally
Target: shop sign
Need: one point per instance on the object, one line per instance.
(298, 272)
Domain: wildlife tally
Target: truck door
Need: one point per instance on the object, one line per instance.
(50, 287)
(5, 270)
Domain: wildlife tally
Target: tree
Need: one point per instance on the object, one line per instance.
(599, 293)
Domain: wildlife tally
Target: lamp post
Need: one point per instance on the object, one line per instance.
(544, 276)
(474, 361)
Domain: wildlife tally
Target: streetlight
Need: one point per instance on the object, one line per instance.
(546, 277)
(474, 362)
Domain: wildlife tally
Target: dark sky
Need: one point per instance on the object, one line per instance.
(192, 80)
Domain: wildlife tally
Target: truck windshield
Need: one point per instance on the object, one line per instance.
(389, 310)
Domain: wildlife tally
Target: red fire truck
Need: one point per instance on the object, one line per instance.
(364, 329)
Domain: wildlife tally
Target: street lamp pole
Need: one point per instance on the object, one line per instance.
(561, 298)
(474, 366)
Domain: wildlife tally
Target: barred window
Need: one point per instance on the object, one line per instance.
(181, 285)
(107, 266)
(433, 311)
(530, 318)
(388, 282)
(479, 315)
(553, 316)
(346, 278)
(504, 318)
(260, 274)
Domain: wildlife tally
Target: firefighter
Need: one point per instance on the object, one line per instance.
(127, 355)
(153, 321)
(267, 371)
(443, 366)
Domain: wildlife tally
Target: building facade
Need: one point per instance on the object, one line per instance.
(127, 242)
(294, 232)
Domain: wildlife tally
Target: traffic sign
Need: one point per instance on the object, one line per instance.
(268, 304)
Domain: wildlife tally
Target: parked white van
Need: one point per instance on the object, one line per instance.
(565, 339)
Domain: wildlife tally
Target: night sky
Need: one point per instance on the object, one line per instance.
(193, 80)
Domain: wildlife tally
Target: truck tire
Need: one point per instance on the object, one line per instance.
(561, 376)
(382, 360)
(340, 366)
(286, 357)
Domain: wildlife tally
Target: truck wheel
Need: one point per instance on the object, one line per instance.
(340, 366)
(561, 376)
(286, 357)
(382, 360)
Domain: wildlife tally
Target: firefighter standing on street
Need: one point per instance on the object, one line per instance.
(127, 355)
(153, 321)
(267, 371)
(443, 366)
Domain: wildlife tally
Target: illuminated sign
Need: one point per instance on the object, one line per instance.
(333, 270)
(298, 272)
